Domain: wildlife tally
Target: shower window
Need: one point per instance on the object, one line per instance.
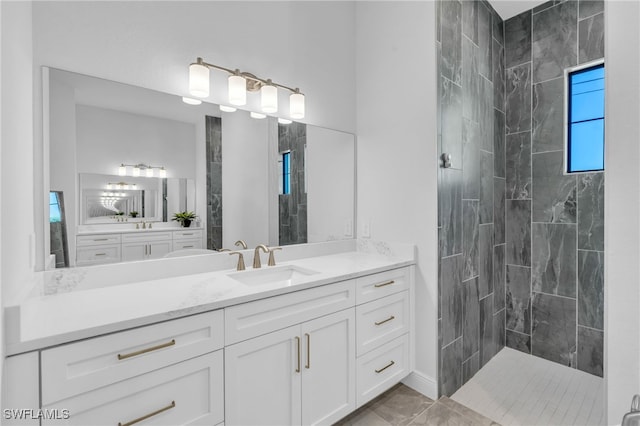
(585, 119)
(284, 165)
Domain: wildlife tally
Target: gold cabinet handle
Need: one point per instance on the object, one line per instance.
(188, 233)
(144, 351)
(139, 419)
(383, 321)
(100, 239)
(385, 367)
(298, 366)
(145, 249)
(308, 365)
(384, 284)
(191, 246)
(101, 254)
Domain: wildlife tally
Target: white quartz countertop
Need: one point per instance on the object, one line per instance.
(132, 229)
(44, 321)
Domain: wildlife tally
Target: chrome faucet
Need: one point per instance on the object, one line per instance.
(256, 255)
(240, 266)
(241, 243)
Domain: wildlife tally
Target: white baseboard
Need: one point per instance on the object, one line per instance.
(422, 383)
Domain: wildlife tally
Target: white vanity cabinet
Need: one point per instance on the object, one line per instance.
(187, 239)
(145, 246)
(98, 249)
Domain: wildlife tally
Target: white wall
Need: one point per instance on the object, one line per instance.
(622, 207)
(2, 345)
(397, 155)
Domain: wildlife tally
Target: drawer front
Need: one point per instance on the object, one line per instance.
(98, 254)
(187, 235)
(381, 321)
(187, 244)
(136, 237)
(382, 368)
(96, 240)
(383, 284)
(264, 316)
(187, 393)
(76, 368)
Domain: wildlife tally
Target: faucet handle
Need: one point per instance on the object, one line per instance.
(240, 266)
(272, 259)
(241, 243)
(223, 249)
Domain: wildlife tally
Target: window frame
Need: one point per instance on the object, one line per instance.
(565, 123)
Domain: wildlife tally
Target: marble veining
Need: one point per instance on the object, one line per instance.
(451, 120)
(591, 38)
(486, 187)
(470, 154)
(485, 261)
(587, 8)
(591, 351)
(450, 368)
(554, 40)
(471, 318)
(484, 42)
(591, 211)
(518, 232)
(450, 212)
(553, 334)
(499, 148)
(518, 298)
(499, 331)
(518, 168)
(497, 27)
(553, 259)
(498, 75)
(470, 19)
(517, 34)
(64, 281)
(518, 341)
(487, 340)
(470, 367)
(591, 289)
(451, 35)
(451, 298)
(470, 238)
(499, 193)
(548, 116)
(499, 270)
(554, 193)
(470, 81)
(518, 98)
(486, 114)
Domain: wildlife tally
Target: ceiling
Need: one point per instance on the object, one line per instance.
(510, 8)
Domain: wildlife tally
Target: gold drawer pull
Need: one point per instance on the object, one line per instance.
(144, 351)
(100, 239)
(387, 320)
(191, 246)
(298, 366)
(383, 284)
(382, 369)
(187, 233)
(101, 254)
(308, 365)
(139, 419)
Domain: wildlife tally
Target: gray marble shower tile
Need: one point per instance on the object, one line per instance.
(497, 29)
(471, 318)
(499, 280)
(499, 149)
(554, 41)
(517, 98)
(451, 39)
(498, 75)
(470, 19)
(587, 8)
(450, 368)
(487, 340)
(518, 298)
(554, 193)
(553, 259)
(590, 351)
(470, 367)
(518, 167)
(591, 211)
(470, 81)
(470, 238)
(486, 114)
(215, 216)
(499, 192)
(450, 212)
(553, 335)
(484, 41)
(499, 331)
(471, 161)
(548, 116)
(451, 121)
(486, 187)
(451, 298)
(591, 38)
(517, 35)
(591, 289)
(518, 234)
(518, 341)
(485, 261)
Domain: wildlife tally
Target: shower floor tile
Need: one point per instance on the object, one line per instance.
(519, 389)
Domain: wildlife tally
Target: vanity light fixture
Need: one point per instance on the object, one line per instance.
(284, 121)
(138, 168)
(239, 83)
(191, 101)
(226, 108)
(257, 115)
(120, 186)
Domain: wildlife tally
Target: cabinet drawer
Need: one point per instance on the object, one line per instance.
(187, 235)
(187, 393)
(383, 284)
(381, 321)
(382, 368)
(89, 364)
(187, 244)
(95, 240)
(264, 316)
(98, 254)
(136, 237)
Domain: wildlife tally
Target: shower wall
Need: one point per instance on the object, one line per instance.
(471, 193)
(554, 222)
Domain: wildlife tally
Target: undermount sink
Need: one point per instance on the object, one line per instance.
(286, 275)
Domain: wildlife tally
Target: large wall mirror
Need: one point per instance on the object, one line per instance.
(123, 157)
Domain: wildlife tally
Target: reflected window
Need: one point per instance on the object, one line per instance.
(585, 124)
(54, 208)
(284, 164)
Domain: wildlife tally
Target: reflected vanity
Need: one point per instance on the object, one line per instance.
(250, 179)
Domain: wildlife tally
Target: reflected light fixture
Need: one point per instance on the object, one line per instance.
(239, 82)
(284, 121)
(137, 170)
(191, 101)
(257, 115)
(226, 108)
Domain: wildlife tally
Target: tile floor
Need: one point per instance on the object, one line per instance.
(519, 389)
(402, 406)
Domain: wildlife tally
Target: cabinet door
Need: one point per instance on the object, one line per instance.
(134, 251)
(158, 249)
(262, 380)
(329, 373)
